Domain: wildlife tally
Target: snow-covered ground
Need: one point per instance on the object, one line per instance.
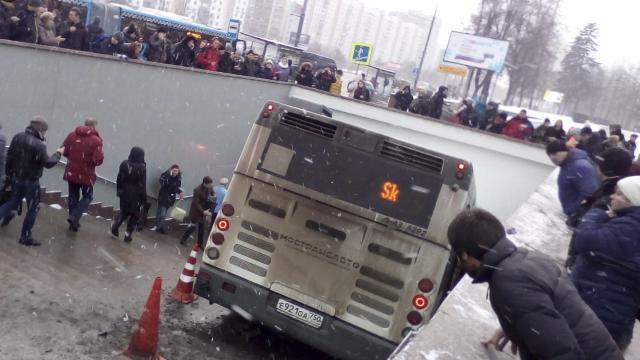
(465, 317)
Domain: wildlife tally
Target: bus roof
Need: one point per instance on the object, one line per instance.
(274, 42)
(160, 18)
(173, 22)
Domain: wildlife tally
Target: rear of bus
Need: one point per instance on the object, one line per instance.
(333, 234)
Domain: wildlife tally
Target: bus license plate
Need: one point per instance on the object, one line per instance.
(301, 314)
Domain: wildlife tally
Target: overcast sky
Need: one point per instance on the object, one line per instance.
(616, 20)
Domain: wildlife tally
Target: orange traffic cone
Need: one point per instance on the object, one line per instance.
(184, 290)
(144, 342)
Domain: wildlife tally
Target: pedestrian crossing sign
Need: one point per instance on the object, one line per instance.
(361, 53)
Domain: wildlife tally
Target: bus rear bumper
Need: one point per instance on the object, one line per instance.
(335, 336)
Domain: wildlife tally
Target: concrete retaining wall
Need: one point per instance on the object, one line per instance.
(196, 119)
(200, 120)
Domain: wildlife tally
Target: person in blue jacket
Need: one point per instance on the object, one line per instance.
(219, 191)
(607, 268)
(577, 179)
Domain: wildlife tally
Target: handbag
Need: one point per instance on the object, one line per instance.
(177, 213)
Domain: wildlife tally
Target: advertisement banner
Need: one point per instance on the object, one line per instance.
(454, 70)
(476, 51)
(553, 96)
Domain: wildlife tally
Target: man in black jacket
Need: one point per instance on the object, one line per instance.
(199, 211)
(131, 188)
(170, 182)
(24, 26)
(437, 102)
(26, 158)
(538, 307)
(7, 11)
(75, 33)
(159, 47)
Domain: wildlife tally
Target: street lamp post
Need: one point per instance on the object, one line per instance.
(426, 45)
(300, 23)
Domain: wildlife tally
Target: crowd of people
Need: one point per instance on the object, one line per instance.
(22, 167)
(588, 308)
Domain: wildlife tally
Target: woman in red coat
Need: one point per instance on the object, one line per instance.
(519, 127)
(209, 55)
(83, 150)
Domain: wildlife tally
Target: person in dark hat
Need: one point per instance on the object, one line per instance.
(226, 59)
(26, 158)
(437, 102)
(131, 33)
(131, 188)
(577, 179)
(94, 29)
(184, 53)
(111, 45)
(24, 26)
(159, 47)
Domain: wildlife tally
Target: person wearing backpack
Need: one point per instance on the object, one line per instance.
(421, 105)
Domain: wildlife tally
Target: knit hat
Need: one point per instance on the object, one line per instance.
(224, 181)
(630, 187)
(35, 3)
(119, 36)
(614, 162)
(556, 146)
(39, 123)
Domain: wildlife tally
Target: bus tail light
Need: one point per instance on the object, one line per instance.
(420, 302)
(223, 224)
(213, 253)
(228, 210)
(217, 239)
(414, 318)
(461, 170)
(425, 285)
(230, 288)
(268, 109)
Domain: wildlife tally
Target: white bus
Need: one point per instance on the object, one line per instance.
(334, 234)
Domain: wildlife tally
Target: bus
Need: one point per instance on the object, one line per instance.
(116, 17)
(271, 49)
(334, 234)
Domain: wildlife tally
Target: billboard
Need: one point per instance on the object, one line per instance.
(476, 51)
